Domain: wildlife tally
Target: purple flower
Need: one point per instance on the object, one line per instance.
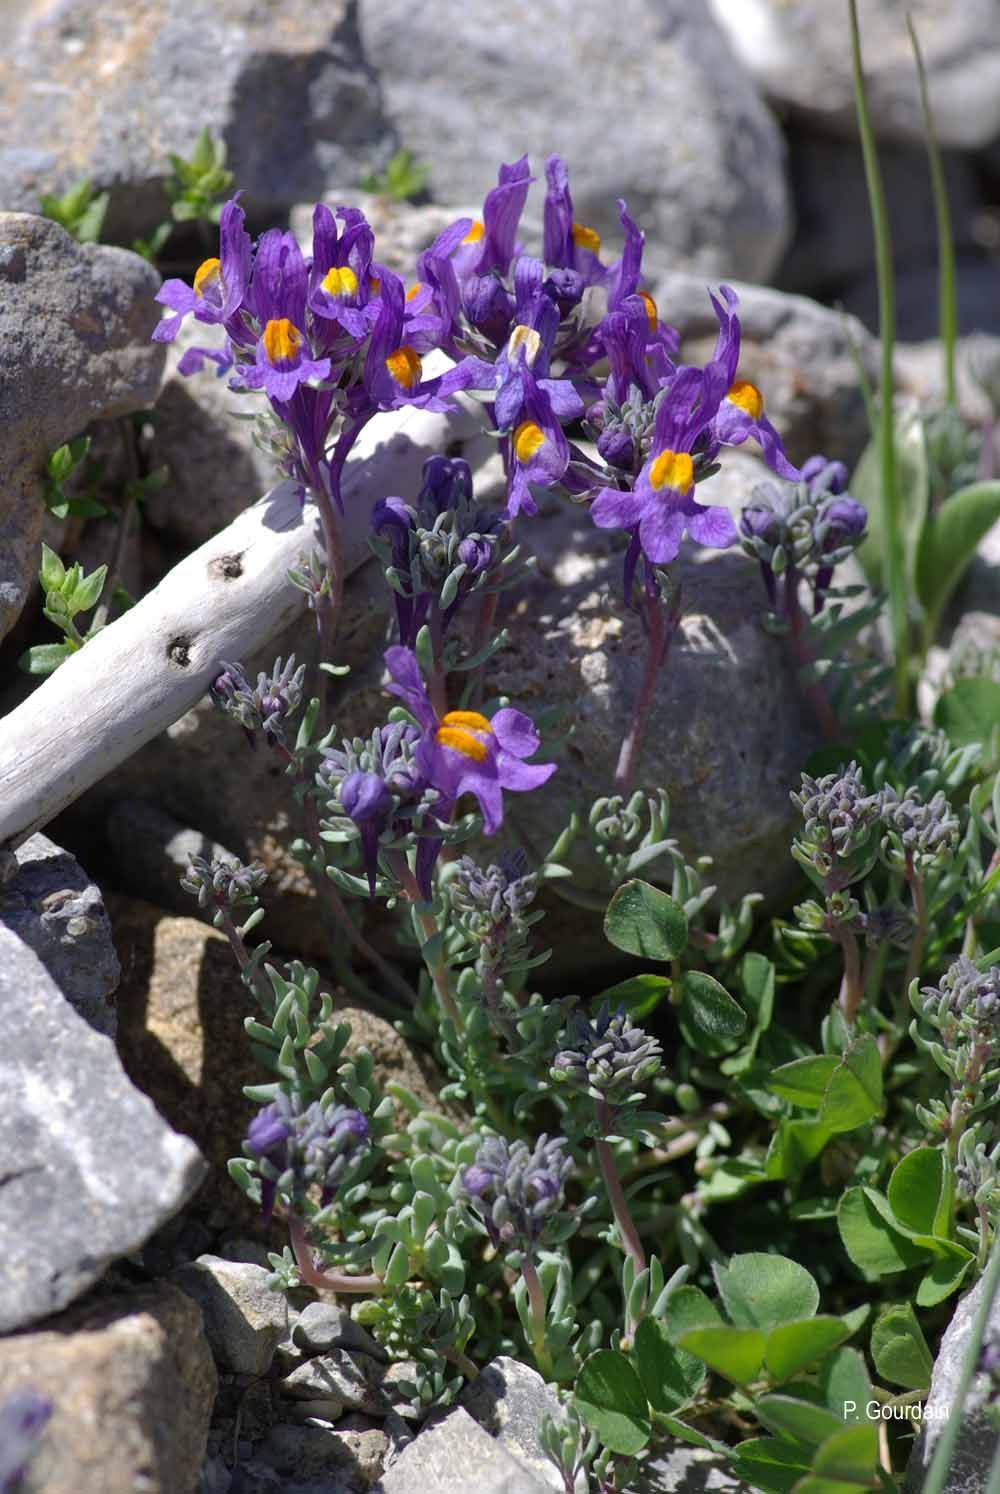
(267, 1138)
(517, 1190)
(297, 1147)
(740, 410)
(463, 752)
(393, 371)
(662, 506)
(219, 284)
(283, 362)
(366, 800)
(340, 290)
(841, 520)
(568, 244)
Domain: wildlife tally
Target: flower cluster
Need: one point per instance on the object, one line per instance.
(518, 1192)
(329, 338)
(611, 1059)
(266, 706)
(918, 832)
(840, 817)
(299, 1148)
(223, 882)
(491, 908)
(802, 531)
(439, 550)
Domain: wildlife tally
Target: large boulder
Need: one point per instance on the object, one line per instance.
(106, 89)
(75, 323)
(699, 157)
(798, 52)
(92, 1170)
(131, 1383)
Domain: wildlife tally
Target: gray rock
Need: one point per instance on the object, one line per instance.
(244, 1319)
(53, 908)
(978, 292)
(322, 1326)
(977, 1441)
(796, 351)
(352, 1380)
(454, 1455)
(107, 90)
(680, 1469)
(132, 1384)
(509, 1400)
(798, 53)
(75, 322)
(701, 163)
(91, 1170)
(352, 1455)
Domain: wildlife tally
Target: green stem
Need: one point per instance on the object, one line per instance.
(947, 310)
(326, 1281)
(895, 558)
(937, 1474)
(536, 1301)
(657, 643)
(993, 1487)
(616, 1195)
(427, 923)
(461, 1362)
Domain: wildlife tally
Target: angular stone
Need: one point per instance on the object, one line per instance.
(797, 51)
(244, 1319)
(701, 163)
(106, 90)
(132, 1383)
(75, 322)
(321, 1326)
(181, 1007)
(510, 1400)
(977, 1442)
(157, 850)
(353, 1455)
(351, 1379)
(91, 1169)
(453, 1455)
(56, 910)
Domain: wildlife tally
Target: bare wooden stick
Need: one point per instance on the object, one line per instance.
(224, 601)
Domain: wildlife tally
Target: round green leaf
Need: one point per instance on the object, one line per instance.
(914, 1190)
(871, 1243)
(669, 1377)
(791, 1346)
(709, 1006)
(850, 1454)
(612, 1402)
(644, 921)
(737, 1353)
(969, 711)
(899, 1348)
(763, 1291)
(788, 1415)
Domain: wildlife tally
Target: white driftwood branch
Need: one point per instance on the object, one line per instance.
(224, 601)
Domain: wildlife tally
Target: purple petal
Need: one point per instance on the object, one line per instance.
(617, 509)
(712, 526)
(408, 684)
(660, 531)
(515, 732)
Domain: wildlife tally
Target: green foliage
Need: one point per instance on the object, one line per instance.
(611, 1401)
(62, 463)
(196, 189)
(404, 178)
(80, 211)
(643, 921)
(68, 593)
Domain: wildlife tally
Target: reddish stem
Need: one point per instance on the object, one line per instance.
(326, 1281)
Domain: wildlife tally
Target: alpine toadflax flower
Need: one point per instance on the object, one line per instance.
(464, 752)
